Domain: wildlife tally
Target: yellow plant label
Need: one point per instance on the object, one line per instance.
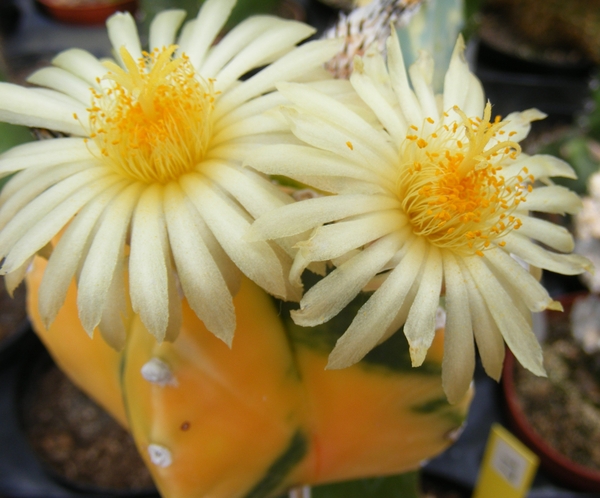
(508, 467)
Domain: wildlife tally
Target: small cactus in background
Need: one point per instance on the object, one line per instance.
(368, 24)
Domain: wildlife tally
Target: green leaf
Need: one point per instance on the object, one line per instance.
(11, 135)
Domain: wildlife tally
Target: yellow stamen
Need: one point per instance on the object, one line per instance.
(152, 123)
(451, 184)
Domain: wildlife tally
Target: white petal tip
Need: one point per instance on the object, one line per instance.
(417, 355)
(555, 306)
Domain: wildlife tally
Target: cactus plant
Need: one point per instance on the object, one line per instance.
(263, 416)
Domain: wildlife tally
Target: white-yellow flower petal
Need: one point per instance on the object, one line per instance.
(369, 92)
(302, 161)
(336, 239)
(81, 63)
(201, 280)
(458, 363)
(40, 155)
(490, 343)
(255, 193)
(520, 123)
(475, 101)
(228, 269)
(262, 49)
(420, 324)
(36, 183)
(175, 308)
(297, 218)
(539, 166)
(42, 232)
(553, 199)
(102, 259)
(112, 326)
(326, 135)
(122, 32)
(68, 253)
(229, 225)
(23, 106)
(345, 282)
(421, 75)
(62, 81)
(378, 312)
(530, 291)
(148, 280)
(406, 98)
(211, 18)
(514, 328)
(39, 207)
(554, 236)
(458, 78)
(567, 264)
(327, 109)
(292, 65)
(13, 279)
(239, 36)
(164, 28)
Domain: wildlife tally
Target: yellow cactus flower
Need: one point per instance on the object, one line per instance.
(426, 196)
(147, 186)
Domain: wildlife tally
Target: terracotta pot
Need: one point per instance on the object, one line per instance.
(558, 466)
(87, 12)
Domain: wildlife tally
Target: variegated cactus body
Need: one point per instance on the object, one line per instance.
(264, 415)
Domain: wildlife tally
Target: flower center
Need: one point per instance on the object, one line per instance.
(152, 121)
(451, 185)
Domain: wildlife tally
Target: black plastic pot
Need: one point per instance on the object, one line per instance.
(512, 83)
(23, 474)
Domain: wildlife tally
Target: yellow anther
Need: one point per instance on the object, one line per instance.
(153, 120)
(452, 187)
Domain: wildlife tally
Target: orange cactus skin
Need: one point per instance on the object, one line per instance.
(370, 422)
(228, 413)
(265, 415)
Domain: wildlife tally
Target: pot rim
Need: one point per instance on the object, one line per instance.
(564, 469)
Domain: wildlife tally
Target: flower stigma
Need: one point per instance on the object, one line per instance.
(152, 120)
(451, 186)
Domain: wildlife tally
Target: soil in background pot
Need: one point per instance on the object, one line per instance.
(564, 409)
(13, 312)
(76, 440)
